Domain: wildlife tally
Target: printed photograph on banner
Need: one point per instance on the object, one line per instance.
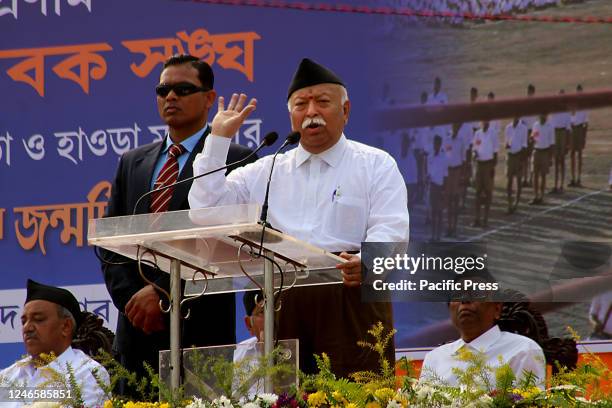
(493, 113)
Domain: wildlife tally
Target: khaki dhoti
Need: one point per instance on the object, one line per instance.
(332, 319)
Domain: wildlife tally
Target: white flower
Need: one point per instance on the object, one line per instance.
(197, 403)
(486, 398)
(424, 392)
(250, 405)
(44, 405)
(222, 402)
(584, 400)
(268, 398)
(568, 387)
(393, 404)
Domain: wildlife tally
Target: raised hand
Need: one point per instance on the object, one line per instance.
(227, 121)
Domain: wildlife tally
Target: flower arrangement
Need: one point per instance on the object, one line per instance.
(580, 387)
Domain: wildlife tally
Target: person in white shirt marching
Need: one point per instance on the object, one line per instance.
(422, 139)
(467, 131)
(437, 97)
(562, 124)
(495, 128)
(485, 147)
(407, 163)
(454, 147)
(516, 145)
(542, 136)
(580, 125)
(437, 166)
(528, 154)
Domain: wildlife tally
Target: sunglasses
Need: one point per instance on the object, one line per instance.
(180, 89)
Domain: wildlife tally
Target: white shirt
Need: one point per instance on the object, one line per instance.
(419, 135)
(336, 199)
(427, 139)
(24, 374)
(455, 151)
(561, 120)
(437, 167)
(520, 352)
(437, 99)
(247, 353)
(579, 118)
(485, 144)
(543, 135)
(495, 127)
(466, 132)
(516, 137)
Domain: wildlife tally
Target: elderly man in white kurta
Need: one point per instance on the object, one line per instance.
(50, 318)
(329, 191)
(480, 335)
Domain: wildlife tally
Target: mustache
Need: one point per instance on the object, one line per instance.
(317, 120)
(28, 336)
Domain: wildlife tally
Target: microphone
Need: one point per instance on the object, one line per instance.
(268, 140)
(291, 139)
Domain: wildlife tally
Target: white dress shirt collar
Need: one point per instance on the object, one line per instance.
(331, 156)
(481, 343)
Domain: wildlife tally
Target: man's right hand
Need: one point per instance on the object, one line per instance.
(143, 310)
(227, 121)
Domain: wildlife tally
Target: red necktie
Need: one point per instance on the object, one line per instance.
(168, 174)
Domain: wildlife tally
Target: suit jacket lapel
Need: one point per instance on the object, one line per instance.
(143, 173)
(179, 197)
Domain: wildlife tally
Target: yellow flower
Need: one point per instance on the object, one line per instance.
(108, 404)
(131, 404)
(527, 393)
(350, 405)
(384, 394)
(464, 354)
(372, 404)
(337, 395)
(317, 399)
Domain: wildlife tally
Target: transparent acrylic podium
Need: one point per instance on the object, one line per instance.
(237, 371)
(215, 250)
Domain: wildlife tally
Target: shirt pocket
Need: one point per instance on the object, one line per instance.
(348, 219)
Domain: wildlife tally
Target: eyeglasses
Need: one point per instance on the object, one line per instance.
(180, 89)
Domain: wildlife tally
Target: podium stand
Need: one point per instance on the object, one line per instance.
(215, 250)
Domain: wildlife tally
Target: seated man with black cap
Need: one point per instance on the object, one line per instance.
(475, 316)
(329, 191)
(50, 319)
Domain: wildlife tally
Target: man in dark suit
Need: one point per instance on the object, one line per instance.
(185, 94)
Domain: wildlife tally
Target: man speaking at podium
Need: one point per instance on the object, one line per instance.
(185, 94)
(329, 191)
